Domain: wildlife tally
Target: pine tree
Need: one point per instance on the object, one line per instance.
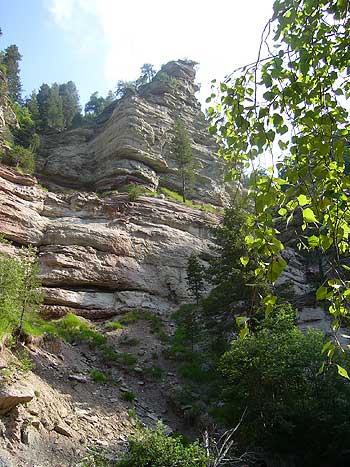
(183, 156)
(43, 105)
(55, 110)
(126, 87)
(195, 277)
(95, 105)
(109, 98)
(147, 74)
(32, 105)
(70, 102)
(11, 60)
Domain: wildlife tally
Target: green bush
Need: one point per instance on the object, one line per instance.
(154, 449)
(21, 158)
(154, 372)
(291, 407)
(112, 325)
(74, 329)
(98, 376)
(128, 396)
(127, 359)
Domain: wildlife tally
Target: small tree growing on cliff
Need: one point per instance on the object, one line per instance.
(183, 156)
(195, 277)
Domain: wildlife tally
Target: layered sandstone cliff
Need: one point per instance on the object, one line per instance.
(132, 142)
(101, 256)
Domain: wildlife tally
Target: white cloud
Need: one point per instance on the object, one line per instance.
(219, 35)
(62, 11)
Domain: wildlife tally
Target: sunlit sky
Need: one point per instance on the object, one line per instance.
(95, 43)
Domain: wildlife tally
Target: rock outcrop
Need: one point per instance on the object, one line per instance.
(102, 256)
(12, 396)
(132, 142)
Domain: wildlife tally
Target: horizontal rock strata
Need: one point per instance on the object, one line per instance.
(102, 256)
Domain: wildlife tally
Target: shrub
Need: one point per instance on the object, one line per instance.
(135, 192)
(20, 158)
(154, 372)
(154, 448)
(291, 407)
(127, 359)
(114, 325)
(98, 376)
(128, 396)
(172, 195)
(74, 329)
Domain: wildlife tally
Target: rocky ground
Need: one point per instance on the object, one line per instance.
(69, 413)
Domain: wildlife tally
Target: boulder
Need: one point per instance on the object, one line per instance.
(10, 397)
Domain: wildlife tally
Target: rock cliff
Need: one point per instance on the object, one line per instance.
(101, 256)
(132, 142)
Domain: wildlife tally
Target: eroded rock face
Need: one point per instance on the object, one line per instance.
(134, 144)
(102, 256)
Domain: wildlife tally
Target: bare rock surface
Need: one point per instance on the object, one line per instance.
(133, 145)
(12, 396)
(104, 255)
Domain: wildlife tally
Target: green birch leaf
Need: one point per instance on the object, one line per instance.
(321, 293)
(309, 215)
(342, 371)
(244, 260)
(303, 200)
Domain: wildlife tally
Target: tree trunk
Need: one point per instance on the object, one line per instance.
(183, 186)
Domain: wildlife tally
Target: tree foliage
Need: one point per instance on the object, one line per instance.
(154, 448)
(19, 293)
(292, 106)
(231, 270)
(182, 154)
(291, 407)
(70, 102)
(21, 158)
(195, 277)
(11, 59)
(147, 73)
(56, 106)
(95, 105)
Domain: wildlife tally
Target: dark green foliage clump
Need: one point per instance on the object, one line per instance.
(292, 408)
(153, 448)
(133, 191)
(56, 106)
(21, 158)
(195, 277)
(128, 396)
(182, 154)
(97, 104)
(98, 376)
(10, 59)
(154, 372)
(233, 279)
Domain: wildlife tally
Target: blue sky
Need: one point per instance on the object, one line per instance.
(96, 42)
